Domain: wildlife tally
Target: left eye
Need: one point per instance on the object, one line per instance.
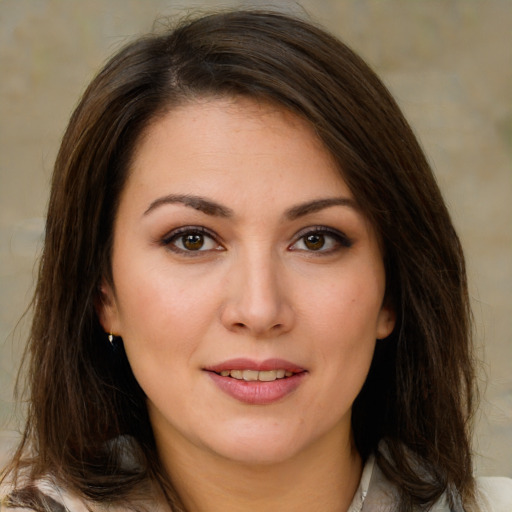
(191, 241)
(320, 241)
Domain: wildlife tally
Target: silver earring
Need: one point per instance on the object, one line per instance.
(111, 338)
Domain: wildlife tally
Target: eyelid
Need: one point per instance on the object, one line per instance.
(343, 240)
(168, 238)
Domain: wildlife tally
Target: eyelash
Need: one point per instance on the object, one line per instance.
(169, 240)
(340, 239)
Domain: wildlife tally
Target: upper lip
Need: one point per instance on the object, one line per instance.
(250, 364)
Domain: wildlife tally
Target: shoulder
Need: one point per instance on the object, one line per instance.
(40, 496)
(45, 495)
(495, 494)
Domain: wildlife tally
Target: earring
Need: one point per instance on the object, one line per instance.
(111, 338)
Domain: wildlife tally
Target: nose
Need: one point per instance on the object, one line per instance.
(257, 298)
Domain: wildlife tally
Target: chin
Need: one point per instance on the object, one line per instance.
(259, 455)
(258, 447)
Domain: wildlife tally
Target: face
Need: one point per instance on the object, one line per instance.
(248, 287)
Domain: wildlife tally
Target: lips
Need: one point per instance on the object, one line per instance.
(253, 375)
(254, 382)
(249, 364)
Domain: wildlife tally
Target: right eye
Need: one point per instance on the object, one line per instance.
(191, 240)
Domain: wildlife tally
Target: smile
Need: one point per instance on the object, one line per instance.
(257, 382)
(255, 375)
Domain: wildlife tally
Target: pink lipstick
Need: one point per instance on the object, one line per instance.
(256, 382)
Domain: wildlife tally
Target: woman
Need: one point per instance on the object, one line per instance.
(251, 293)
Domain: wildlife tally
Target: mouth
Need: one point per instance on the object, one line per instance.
(250, 371)
(257, 375)
(257, 382)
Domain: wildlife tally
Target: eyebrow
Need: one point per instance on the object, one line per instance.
(318, 204)
(212, 208)
(199, 203)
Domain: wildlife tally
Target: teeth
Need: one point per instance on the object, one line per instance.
(267, 376)
(254, 375)
(250, 375)
(237, 374)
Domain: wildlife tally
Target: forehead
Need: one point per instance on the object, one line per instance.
(235, 142)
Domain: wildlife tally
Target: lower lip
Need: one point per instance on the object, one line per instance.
(257, 392)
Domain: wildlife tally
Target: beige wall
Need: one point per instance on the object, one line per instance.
(449, 63)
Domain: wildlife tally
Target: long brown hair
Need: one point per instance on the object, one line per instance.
(419, 394)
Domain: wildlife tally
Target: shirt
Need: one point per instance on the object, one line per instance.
(374, 494)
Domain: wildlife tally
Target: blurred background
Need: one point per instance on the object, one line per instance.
(448, 63)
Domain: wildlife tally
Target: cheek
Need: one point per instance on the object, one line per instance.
(162, 308)
(348, 307)
(343, 318)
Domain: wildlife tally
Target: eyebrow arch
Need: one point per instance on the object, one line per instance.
(199, 203)
(318, 204)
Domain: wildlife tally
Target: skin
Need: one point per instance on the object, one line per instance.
(257, 288)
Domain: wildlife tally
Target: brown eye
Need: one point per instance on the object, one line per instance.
(193, 241)
(322, 240)
(314, 242)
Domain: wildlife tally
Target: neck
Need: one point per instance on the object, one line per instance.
(324, 477)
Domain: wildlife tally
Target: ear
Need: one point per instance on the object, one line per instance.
(106, 308)
(386, 321)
